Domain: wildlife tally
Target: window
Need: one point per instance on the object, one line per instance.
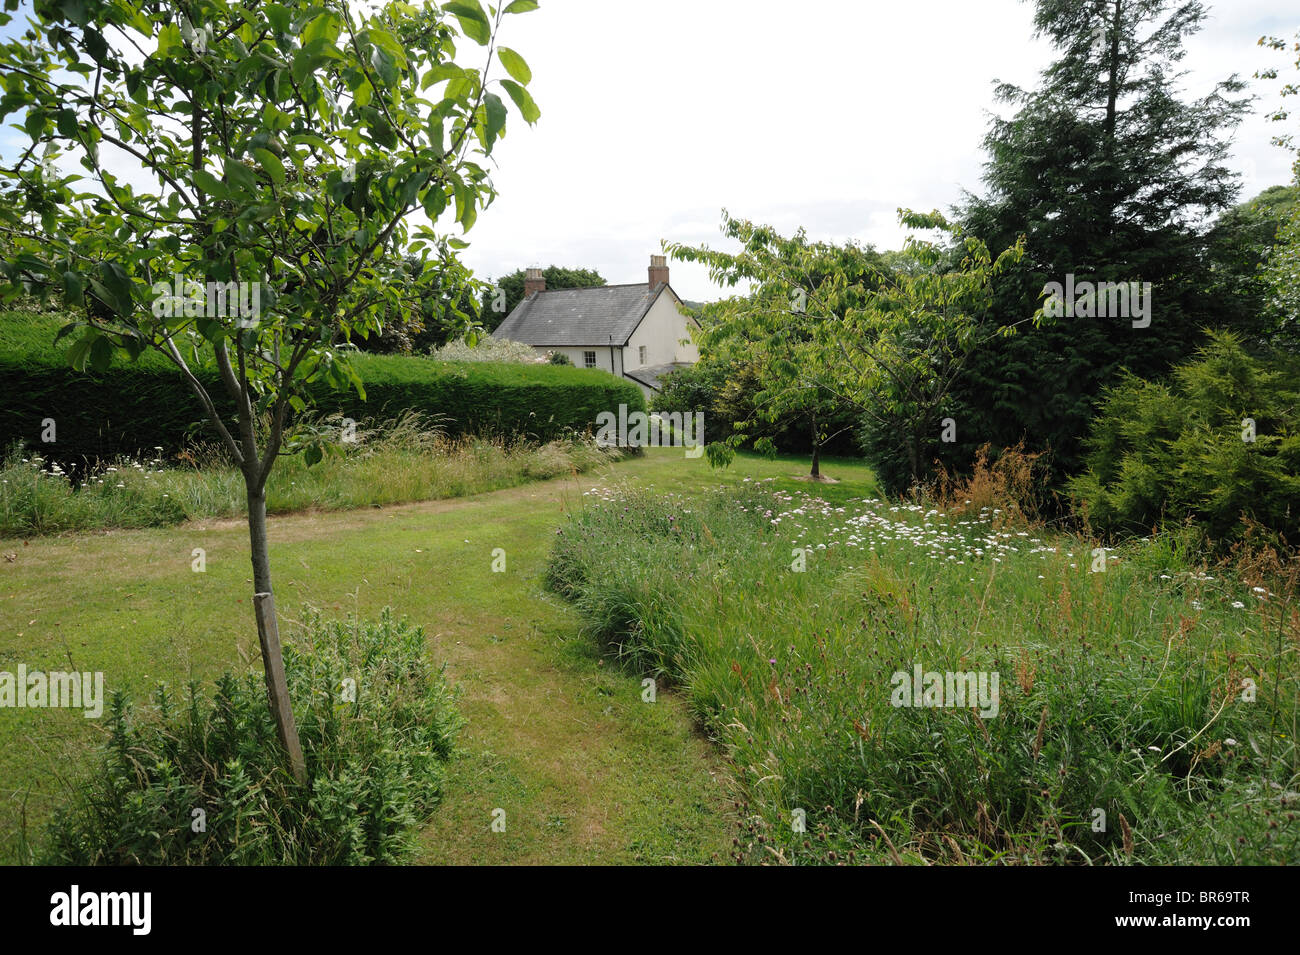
(589, 359)
(640, 354)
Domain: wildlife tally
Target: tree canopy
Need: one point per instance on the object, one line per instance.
(270, 153)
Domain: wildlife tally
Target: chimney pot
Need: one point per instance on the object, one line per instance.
(534, 281)
(658, 270)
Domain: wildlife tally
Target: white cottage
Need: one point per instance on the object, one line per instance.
(636, 331)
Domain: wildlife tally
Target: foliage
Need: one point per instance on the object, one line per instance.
(559, 358)
(377, 726)
(1218, 444)
(1109, 173)
(832, 329)
(1247, 248)
(275, 158)
(1118, 691)
(726, 385)
(1286, 138)
(444, 306)
(1281, 278)
(496, 306)
(133, 407)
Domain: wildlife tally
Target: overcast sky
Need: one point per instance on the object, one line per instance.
(828, 114)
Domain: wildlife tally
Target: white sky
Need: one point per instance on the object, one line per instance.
(828, 114)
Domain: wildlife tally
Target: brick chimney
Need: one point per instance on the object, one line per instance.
(658, 270)
(534, 281)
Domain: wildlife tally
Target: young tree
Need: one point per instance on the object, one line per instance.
(269, 153)
(889, 344)
(1109, 172)
(760, 392)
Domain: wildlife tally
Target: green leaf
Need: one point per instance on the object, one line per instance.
(325, 26)
(210, 184)
(523, 100)
(240, 177)
(473, 21)
(271, 163)
(495, 111)
(521, 6)
(96, 45)
(466, 207)
(278, 15)
(73, 288)
(101, 354)
(515, 65)
(411, 188)
(80, 350)
(34, 123)
(168, 37)
(76, 10)
(67, 123)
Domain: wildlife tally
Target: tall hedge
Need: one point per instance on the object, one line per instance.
(137, 406)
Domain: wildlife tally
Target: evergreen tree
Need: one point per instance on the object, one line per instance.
(1111, 177)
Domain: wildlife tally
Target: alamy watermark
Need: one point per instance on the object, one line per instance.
(191, 298)
(36, 689)
(128, 909)
(951, 689)
(671, 429)
(1099, 300)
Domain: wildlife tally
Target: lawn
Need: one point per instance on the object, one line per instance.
(1120, 689)
(557, 736)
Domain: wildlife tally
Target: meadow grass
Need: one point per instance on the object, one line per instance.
(1146, 705)
(392, 462)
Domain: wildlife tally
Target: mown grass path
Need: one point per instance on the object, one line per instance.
(557, 737)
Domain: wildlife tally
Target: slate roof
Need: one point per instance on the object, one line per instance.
(651, 374)
(579, 316)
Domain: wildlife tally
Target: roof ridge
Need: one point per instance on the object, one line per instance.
(592, 288)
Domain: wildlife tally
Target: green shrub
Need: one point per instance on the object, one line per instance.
(560, 358)
(375, 765)
(1176, 451)
(135, 407)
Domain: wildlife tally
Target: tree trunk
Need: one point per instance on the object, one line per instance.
(1112, 80)
(268, 635)
(816, 451)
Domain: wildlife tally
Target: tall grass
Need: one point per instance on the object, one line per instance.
(401, 460)
(1123, 730)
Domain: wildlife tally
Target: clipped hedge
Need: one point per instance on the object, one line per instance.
(137, 406)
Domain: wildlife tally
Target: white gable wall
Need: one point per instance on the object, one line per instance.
(660, 332)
